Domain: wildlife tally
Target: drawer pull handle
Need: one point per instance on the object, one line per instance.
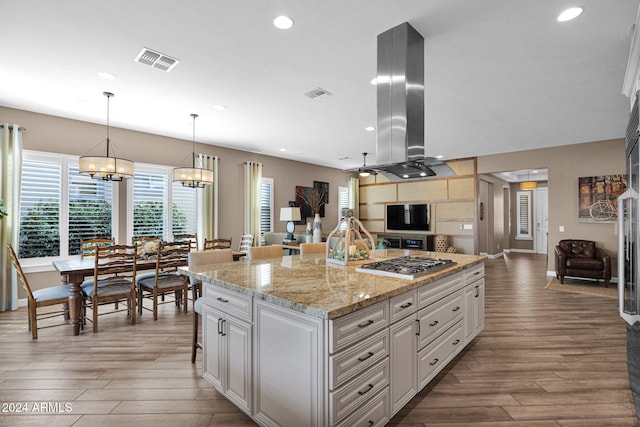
(364, 325)
(418, 331)
(222, 299)
(366, 391)
(476, 273)
(477, 292)
(407, 305)
(434, 362)
(456, 309)
(456, 342)
(223, 333)
(435, 322)
(220, 326)
(362, 359)
(371, 423)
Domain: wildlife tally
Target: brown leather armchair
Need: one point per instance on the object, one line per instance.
(581, 258)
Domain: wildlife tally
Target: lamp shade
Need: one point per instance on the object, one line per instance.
(290, 214)
(106, 168)
(193, 177)
(528, 185)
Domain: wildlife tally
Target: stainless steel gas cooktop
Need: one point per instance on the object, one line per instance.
(406, 267)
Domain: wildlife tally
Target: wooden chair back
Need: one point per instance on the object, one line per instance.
(21, 276)
(114, 264)
(191, 238)
(263, 252)
(217, 244)
(88, 246)
(312, 248)
(172, 255)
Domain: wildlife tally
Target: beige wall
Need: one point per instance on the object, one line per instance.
(58, 135)
(566, 164)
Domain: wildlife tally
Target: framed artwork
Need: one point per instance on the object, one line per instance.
(312, 199)
(597, 197)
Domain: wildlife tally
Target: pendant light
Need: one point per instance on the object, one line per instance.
(528, 184)
(363, 171)
(106, 168)
(193, 177)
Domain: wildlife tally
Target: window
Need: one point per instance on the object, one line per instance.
(266, 205)
(523, 214)
(343, 202)
(59, 207)
(152, 198)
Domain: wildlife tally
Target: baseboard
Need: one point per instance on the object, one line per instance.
(524, 251)
(22, 302)
(492, 256)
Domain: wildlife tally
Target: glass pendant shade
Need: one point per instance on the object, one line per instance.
(106, 168)
(193, 177)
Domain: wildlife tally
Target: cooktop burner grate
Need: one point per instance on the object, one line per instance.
(406, 267)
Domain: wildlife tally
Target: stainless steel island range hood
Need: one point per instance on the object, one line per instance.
(400, 131)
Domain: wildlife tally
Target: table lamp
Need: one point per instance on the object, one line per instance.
(290, 215)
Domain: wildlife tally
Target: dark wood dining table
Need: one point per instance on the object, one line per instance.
(74, 271)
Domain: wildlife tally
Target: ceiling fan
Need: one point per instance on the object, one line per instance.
(364, 171)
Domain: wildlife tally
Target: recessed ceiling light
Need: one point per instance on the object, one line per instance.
(374, 81)
(107, 76)
(439, 156)
(283, 22)
(369, 128)
(220, 107)
(569, 14)
(283, 149)
(535, 171)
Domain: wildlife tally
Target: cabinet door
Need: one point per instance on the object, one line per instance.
(404, 362)
(237, 386)
(479, 313)
(212, 361)
(474, 309)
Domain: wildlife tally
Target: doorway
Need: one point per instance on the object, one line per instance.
(541, 219)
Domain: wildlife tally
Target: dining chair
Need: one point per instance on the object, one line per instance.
(88, 246)
(262, 252)
(53, 295)
(217, 244)
(114, 275)
(169, 257)
(195, 259)
(246, 241)
(191, 238)
(312, 248)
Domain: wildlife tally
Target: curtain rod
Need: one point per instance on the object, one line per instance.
(19, 127)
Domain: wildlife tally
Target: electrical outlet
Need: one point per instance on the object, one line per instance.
(561, 229)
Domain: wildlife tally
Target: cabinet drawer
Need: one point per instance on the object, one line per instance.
(374, 413)
(474, 273)
(357, 325)
(434, 291)
(439, 316)
(403, 305)
(229, 302)
(357, 391)
(348, 363)
(436, 355)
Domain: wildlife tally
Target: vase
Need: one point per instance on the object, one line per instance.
(317, 229)
(309, 233)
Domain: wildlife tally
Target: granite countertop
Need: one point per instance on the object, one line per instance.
(309, 285)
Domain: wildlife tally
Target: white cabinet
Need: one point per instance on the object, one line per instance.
(474, 302)
(228, 355)
(289, 367)
(404, 368)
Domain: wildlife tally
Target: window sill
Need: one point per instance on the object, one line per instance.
(523, 238)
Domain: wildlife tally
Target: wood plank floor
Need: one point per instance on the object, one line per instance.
(545, 358)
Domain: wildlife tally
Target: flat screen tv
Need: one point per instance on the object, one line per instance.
(409, 217)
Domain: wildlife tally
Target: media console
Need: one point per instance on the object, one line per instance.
(422, 242)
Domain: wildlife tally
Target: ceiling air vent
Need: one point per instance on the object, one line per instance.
(156, 59)
(317, 93)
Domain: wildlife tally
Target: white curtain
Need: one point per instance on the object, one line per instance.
(10, 175)
(207, 202)
(353, 189)
(252, 190)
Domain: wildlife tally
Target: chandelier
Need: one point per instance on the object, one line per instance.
(106, 168)
(193, 177)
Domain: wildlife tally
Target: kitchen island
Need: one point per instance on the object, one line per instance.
(294, 341)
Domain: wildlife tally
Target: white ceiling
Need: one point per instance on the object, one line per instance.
(500, 75)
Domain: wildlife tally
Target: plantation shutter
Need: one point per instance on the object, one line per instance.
(343, 202)
(40, 209)
(266, 206)
(89, 209)
(149, 203)
(183, 211)
(523, 199)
